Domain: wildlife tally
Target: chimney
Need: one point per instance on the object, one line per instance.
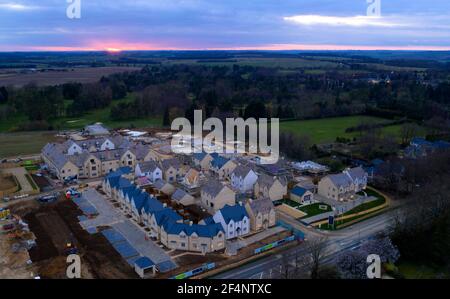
(165, 205)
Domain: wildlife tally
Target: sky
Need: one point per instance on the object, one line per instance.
(43, 25)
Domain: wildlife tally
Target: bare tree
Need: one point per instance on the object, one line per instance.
(316, 251)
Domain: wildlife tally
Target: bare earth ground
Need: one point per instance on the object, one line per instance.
(13, 265)
(56, 224)
(6, 183)
(81, 75)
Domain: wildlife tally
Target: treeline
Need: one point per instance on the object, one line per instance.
(236, 90)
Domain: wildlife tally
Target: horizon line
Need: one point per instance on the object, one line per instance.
(114, 47)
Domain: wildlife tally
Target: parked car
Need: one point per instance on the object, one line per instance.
(48, 198)
(6, 199)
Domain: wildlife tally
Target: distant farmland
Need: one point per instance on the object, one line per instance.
(327, 129)
(82, 75)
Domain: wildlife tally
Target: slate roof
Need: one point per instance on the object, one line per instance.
(263, 206)
(267, 180)
(207, 231)
(96, 129)
(149, 166)
(159, 184)
(340, 179)
(179, 194)
(299, 191)
(235, 213)
(241, 171)
(219, 162)
(152, 205)
(175, 163)
(213, 187)
(356, 173)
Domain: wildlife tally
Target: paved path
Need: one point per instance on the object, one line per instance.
(135, 235)
(235, 245)
(20, 174)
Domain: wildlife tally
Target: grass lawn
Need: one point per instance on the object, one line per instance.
(314, 209)
(366, 206)
(31, 181)
(327, 129)
(289, 202)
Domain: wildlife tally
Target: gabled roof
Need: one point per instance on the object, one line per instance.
(207, 231)
(340, 179)
(241, 171)
(159, 184)
(213, 188)
(264, 206)
(166, 215)
(140, 199)
(219, 162)
(268, 181)
(118, 182)
(356, 173)
(179, 194)
(235, 213)
(299, 191)
(174, 162)
(152, 205)
(149, 166)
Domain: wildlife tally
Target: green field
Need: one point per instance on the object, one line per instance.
(24, 143)
(98, 115)
(327, 129)
(286, 63)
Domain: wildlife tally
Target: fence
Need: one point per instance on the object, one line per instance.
(196, 271)
(274, 244)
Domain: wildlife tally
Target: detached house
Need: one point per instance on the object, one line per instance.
(234, 220)
(243, 178)
(302, 196)
(262, 213)
(203, 160)
(270, 187)
(343, 186)
(215, 195)
(149, 169)
(172, 169)
(223, 167)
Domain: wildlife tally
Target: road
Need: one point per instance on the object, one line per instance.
(337, 242)
(90, 182)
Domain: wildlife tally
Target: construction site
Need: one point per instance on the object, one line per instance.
(57, 233)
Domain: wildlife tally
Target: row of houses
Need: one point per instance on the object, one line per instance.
(98, 156)
(165, 225)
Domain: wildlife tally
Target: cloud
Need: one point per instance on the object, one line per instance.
(355, 21)
(16, 6)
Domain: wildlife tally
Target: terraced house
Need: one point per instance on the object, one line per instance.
(165, 224)
(94, 157)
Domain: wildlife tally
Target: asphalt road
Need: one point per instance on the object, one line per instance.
(343, 240)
